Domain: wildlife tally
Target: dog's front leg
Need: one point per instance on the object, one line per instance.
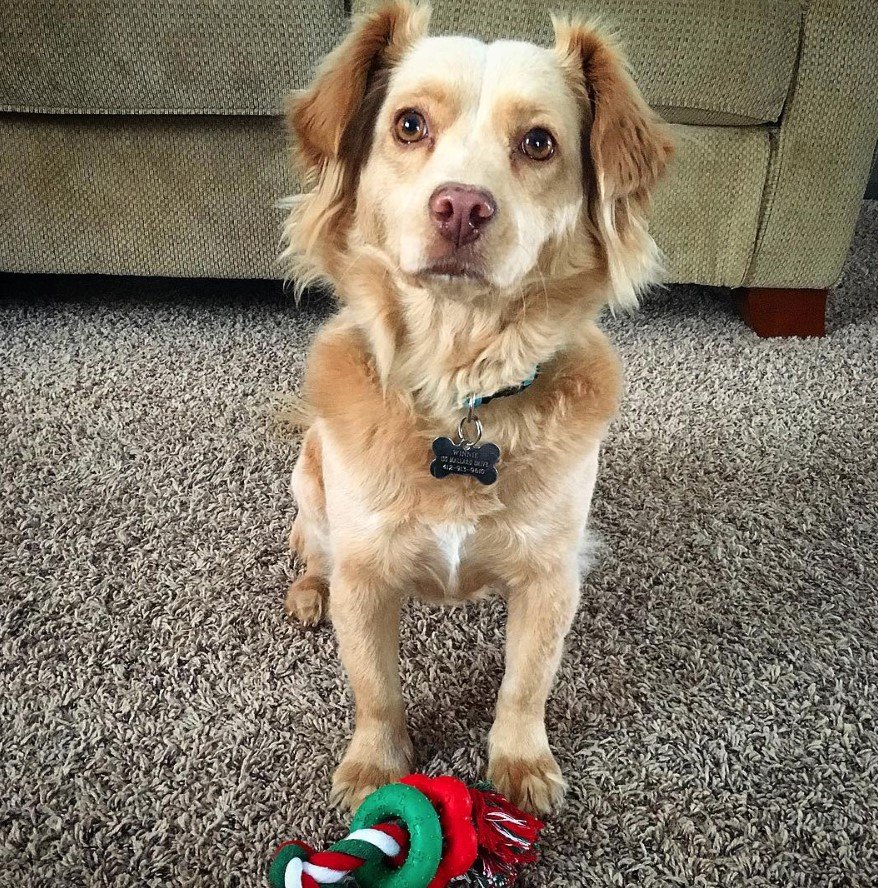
(365, 613)
(521, 765)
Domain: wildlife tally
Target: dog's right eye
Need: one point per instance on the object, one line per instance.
(538, 144)
(410, 127)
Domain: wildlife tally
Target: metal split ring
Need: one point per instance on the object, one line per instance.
(462, 437)
(464, 440)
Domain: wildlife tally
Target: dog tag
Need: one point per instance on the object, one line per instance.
(479, 460)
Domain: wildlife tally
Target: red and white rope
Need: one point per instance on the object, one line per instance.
(331, 867)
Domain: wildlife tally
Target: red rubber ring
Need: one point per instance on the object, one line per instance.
(453, 804)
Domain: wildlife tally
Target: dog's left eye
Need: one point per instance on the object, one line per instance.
(410, 126)
(538, 144)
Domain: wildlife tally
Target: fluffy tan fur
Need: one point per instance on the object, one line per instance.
(388, 374)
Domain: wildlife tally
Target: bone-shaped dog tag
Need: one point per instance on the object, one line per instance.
(462, 459)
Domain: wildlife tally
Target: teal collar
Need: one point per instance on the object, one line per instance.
(479, 400)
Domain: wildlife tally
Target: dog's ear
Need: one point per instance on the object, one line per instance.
(625, 150)
(333, 123)
(332, 119)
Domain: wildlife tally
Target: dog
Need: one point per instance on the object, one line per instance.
(474, 207)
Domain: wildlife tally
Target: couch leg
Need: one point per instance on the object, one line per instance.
(771, 311)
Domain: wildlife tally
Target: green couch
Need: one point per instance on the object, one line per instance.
(145, 137)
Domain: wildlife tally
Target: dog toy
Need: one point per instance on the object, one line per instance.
(424, 832)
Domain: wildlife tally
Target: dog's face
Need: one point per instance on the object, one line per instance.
(475, 163)
(477, 166)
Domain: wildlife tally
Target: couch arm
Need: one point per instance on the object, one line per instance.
(822, 152)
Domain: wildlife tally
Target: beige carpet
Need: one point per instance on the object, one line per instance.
(162, 725)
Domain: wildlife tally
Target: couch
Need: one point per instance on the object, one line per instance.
(146, 137)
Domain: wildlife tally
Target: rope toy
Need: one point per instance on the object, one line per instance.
(424, 832)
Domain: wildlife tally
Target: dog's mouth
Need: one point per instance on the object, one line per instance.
(455, 266)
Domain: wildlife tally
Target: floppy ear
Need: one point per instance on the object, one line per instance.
(320, 115)
(332, 123)
(625, 150)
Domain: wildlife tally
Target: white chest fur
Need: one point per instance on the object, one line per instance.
(451, 540)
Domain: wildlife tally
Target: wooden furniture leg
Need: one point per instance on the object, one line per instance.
(771, 311)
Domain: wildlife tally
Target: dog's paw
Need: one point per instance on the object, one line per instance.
(306, 600)
(376, 756)
(354, 780)
(533, 784)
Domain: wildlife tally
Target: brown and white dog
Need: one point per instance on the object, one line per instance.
(473, 206)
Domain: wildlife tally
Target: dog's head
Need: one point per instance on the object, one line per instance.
(480, 166)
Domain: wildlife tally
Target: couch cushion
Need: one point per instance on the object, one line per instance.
(188, 196)
(161, 56)
(714, 62)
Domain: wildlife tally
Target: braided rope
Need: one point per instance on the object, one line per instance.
(333, 866)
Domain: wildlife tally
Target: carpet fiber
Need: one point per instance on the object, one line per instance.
(161, 724)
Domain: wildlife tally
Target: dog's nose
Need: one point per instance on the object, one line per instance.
(460, 212)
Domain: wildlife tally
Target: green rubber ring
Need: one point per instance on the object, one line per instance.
(417, 814)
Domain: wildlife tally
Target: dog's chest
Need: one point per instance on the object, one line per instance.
(452, 567)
